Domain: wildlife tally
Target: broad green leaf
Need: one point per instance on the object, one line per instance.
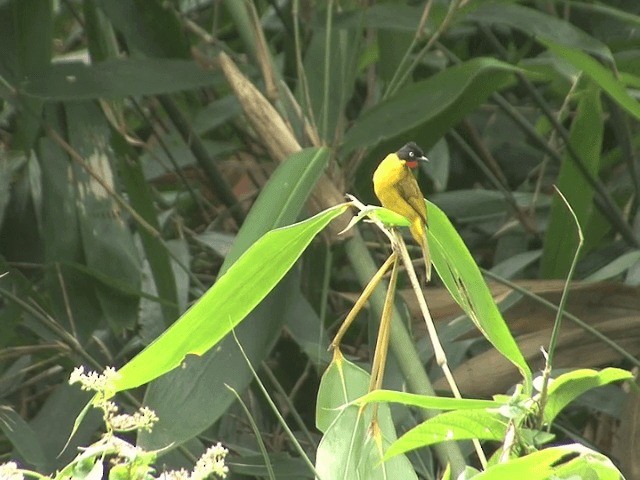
(600, 74)
(586, 135)
(182, 399)
(389, 217)
(392, 46)
(101, 39)
(107, 243)
(116, 78)
(26, 35)
(141, 199)
(55, 422)
(455, 425)
(548, 463)
(227, 302)
(60, 227)
(465, 283)
(148, 26)
(432, 106)
(330, 65)
(589, 465)
(24, 439)
(425, 401)
(350, 448)
(538, 25)
(342, 382)
(569, 386)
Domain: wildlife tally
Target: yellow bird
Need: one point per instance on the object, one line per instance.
(397, 190)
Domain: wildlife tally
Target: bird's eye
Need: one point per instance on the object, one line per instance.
(411, 154)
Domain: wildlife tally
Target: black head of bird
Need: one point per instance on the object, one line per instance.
(411, 153)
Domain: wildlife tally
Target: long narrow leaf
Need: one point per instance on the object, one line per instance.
(227, 302)
(463, 279)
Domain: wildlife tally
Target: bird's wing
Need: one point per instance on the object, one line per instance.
(410, 191)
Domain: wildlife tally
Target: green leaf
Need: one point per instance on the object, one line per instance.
(60, 228)
(56, 420)
(587, 131)
(539, 25)
(425, 401)
(148, 27)
(350, 448)
(141, 199)
(182, 399)
(548, 463)
(116, 78)
(342, 382)
(24, 439)
(432, 106)
(101, 39)
(601, 75)
(456, 425)
(26, 35)
(389, 217)
(330, 63)
(107, 243)
(569, 386)
(227, 302)
(465, 283)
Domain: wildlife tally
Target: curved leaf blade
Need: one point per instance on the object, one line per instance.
(586, 135)
(425, 401)
(539, 25)
(600, 74)
(463, 279)
(182, 398)
(455, 425)
(569, 386)
(433, 105)
(229, 300)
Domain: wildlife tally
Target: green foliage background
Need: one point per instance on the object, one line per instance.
(131, 178)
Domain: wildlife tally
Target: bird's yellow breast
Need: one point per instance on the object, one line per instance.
(391, 173)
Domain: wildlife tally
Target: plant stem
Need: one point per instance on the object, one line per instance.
(439, 353)
(401, 345)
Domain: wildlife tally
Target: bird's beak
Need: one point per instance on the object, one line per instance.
(423, 159)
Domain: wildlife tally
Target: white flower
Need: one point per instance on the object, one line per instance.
(211, 461)
(143, 419)
(92, 381)
(9, 471)
(175, 475)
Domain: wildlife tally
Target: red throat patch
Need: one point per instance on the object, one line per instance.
(412, 163)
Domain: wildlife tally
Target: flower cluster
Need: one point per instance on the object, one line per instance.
(143, 419)
(125, 459)
(211, 462)
(10, 471)
(93, 381)
(103, 385)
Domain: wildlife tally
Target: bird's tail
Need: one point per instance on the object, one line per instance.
(419, 232)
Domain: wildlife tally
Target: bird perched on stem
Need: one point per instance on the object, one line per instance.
(398, 191)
